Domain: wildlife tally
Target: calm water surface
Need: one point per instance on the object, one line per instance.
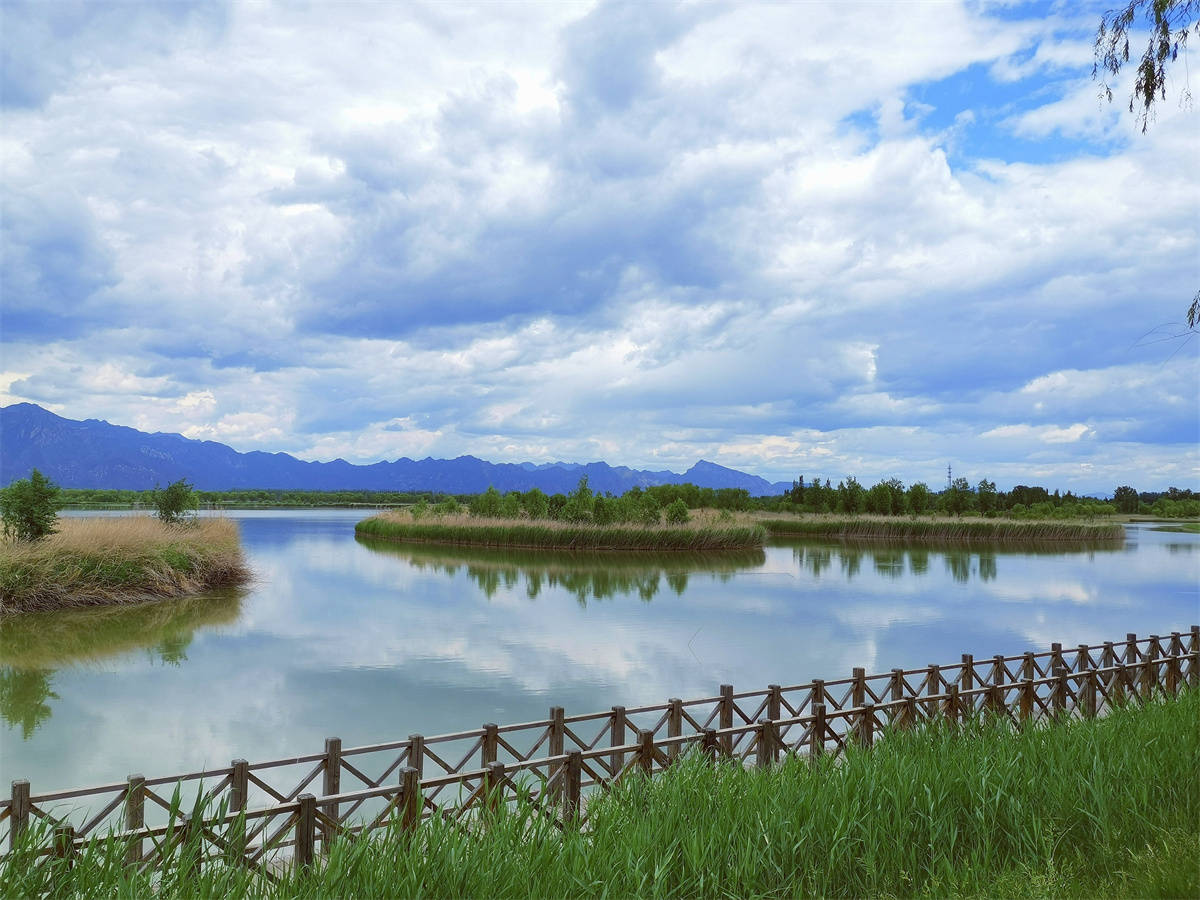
(371, 641)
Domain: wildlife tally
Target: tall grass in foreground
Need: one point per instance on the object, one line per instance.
(117, 559)
(944, 529)
(1108, 807)
(701, 535)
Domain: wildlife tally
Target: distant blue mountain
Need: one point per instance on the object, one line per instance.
(95, 454)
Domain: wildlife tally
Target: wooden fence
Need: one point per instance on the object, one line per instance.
(250, 813)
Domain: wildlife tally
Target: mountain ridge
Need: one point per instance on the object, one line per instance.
(93, 453)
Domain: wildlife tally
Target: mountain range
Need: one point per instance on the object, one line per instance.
(96, 454)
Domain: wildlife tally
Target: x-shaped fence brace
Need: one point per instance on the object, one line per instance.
(416, 781)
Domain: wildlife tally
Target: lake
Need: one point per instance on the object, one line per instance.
(372, 641)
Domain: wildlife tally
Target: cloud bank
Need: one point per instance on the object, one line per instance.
(790, 238)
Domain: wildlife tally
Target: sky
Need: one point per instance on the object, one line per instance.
(790, 238)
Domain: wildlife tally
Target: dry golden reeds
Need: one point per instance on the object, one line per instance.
(119, 559)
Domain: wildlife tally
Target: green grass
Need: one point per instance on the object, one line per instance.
(944, 529)
(1106, 808)
(1185, 528)
(695, 537)
(106, 560)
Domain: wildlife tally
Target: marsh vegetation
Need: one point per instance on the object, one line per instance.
(112, 560)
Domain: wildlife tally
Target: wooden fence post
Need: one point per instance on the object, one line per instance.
(1120, 684)
(1057, 664)
(725, 717)
(966, 682)
(774, 702)
(709, 745)
(865, 732)
(933, 687)
(952, 707)
(1060, 695)
(239, 794)
(574, 779)
(493, 789)
(489, 744)
(1150, 669)
(858, 691)
(1028, 692)
(1131, 649)
(1090, 694)
(64, 844)
(896, 695)
(767, 749)
(1108, 660)
(617, 739)
(816, 740)
(646, 750)
(674, 725)
(909, 713)
(331, 783)
(18, 811)
(306, 833)
(135, 816)
(410, 793)
(1194, 664)
(1175, 664)
(416, 753)
(558, 730)
(1083, 658)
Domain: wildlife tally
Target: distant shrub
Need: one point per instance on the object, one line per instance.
(175, 502)
(419, 509)
(649, 510)
(29, 507)
(447, 507)
(677, 512)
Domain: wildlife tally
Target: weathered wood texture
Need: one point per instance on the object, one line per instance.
(245, 816)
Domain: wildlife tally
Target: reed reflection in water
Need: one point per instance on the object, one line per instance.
(34, 645)
(585, 576)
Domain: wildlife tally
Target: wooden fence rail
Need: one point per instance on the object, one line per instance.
(242, 816)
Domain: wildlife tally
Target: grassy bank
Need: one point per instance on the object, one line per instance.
(890, 528)
(702, 535)
(110, 560)
(1103, 808)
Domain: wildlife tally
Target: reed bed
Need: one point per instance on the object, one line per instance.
(891, 528)
(103, 560)
(703, 535)
(1106, 807)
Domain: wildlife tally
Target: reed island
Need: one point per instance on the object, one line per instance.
(47, 562)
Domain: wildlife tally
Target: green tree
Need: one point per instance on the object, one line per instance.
(173, 503)
(851, 496)
(536, 504)
(958, 497)
(985, 493)
(920, 498)
(29, 507)
(1126, 499)
(580, 503)
(487, 504)
(677, 512)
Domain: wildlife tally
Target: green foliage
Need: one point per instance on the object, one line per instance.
(580, 503)
(29, 507)
(536, 504)
(173, 503)
(1168, 23)
(447, 507)
(1126, 499)
(487, 504)
(565, 536)
(851, 496)
(986, 497)
(920, 498)
(419, 510)
(677, 513)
